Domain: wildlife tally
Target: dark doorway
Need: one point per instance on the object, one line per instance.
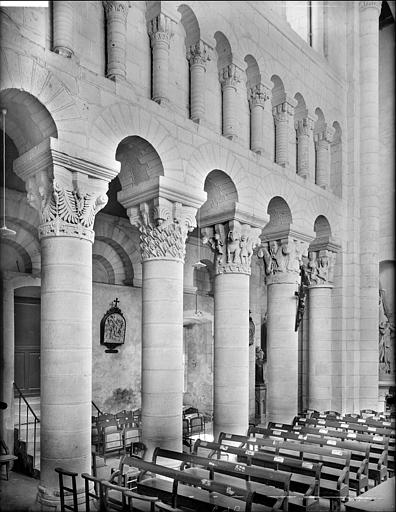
(27, 344)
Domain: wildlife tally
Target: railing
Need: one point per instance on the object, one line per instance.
(96, 407)
(35, 421)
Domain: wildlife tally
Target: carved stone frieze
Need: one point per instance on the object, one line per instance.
(63, 212)
(320, 267)
(233, 244)
(163, 229)
(199, 53)
(258, 95)
(230, 76)
(282, 259)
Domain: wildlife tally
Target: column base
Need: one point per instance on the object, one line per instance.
(65, 52)
(48, 500)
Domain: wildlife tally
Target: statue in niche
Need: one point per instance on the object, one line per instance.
(386, 331)
(259, 374)
(252, 329)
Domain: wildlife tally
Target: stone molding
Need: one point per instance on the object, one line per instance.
(116, 7)
(233, 244)
(370, 3)
(283, 258)
(160, 29)
(320, 267)
(163, 226)
(230, 76)
(258, 95)
(199, 53)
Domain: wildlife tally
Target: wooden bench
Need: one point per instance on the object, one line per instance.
(184, 489)
(6, 457)
(305, 476)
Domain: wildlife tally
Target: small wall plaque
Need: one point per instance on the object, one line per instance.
(112, 328)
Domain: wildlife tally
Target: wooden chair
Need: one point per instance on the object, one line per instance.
(69, 490)
(6, 457)
(96, 496)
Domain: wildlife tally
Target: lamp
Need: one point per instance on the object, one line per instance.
(4, 231)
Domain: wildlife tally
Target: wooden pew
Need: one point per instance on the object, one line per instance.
(184, 489)
(305, 476)
(334, 481)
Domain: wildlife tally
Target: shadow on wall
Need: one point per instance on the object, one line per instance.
(121, 399)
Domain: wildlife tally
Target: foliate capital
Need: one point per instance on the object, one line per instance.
(304, 126)
(163, 227)
(370, 4)
(116, 8)
(282, 259)
(320, 267)
(282, 111)
(230, 76)
(233, 244)
(199, 53)
(160, 28)
(258, 95)
(325, 135)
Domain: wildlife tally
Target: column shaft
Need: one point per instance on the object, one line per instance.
(322, 163)
(7, 365)
(282, 138)
(162, 354)
(66, 361)
(63, 28)
(229, 78)
(116, 17)
(282, 353)
(320, 353)
(197, 100)
(256, 129)
(231, 354)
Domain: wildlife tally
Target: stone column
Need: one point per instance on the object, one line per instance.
(67, 203)
(283, 113)
(282, 258)
(63, 21)
(304, 128)
(320, 269)
(369, 203)
(163, 227)
(230, 77)
(233, 245)
(322, 146)
(198, 54)
(160, 32)
(116, 23)
(257, 98)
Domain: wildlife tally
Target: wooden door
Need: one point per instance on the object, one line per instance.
(27, 344)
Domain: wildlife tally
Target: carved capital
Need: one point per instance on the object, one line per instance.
(304, 126)
(233, 244)
(282, 111)
(163, 227)
(160, 28)
(199, 53)
(282, 259)
(320, 267)
(370, 4)
(115, 8)
(258, 95)
(325, 136)
(230, 76)
(63, 211)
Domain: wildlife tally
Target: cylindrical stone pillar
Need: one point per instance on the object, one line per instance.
(198, 54)
(160, 29)
(116, 18)
(282, 114)
(230, 78)
(322, 146)
(369, 203)
(7, 365)
(66, 361)
(231, 324)
(282, 259)
(320, 348)
(163, 227)
(304, 129)
(63, 28)
(257, 97)
(162, 354)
